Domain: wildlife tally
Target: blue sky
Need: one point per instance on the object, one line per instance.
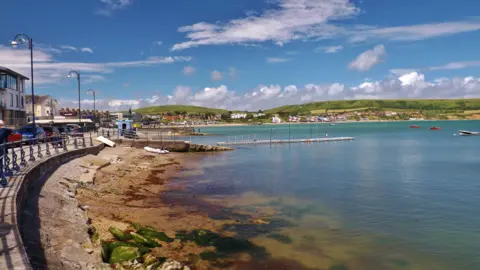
(246, 54)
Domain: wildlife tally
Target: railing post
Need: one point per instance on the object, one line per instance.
(64, 140)
(47, 152)
(3, 180)
(7, 170)
(83, 140)
(75, 143)
(23, 162)
(91, 141)
(57, 143)
(15, 166)
(32, 157)
(39, 149)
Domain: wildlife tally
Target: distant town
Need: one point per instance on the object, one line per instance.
(16, 110)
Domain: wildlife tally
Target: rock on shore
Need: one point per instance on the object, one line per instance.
(208, 148)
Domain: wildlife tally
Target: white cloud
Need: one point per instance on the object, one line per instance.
(216, 75)
(293, 20)
(289, 20)
(188, 70)
(87, 50)
(414, 32)
(109, 6)
(412, 85)
(49, 70)
(330, 49)
(159, 43)
(368, 59)
(277, 60)
(448, 66)
(411, 78)
(69, 48)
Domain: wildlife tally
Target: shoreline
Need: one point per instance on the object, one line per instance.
(326, 123)
(133, 189)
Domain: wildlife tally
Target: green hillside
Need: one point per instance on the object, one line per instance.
(178, 108)
(447, 105)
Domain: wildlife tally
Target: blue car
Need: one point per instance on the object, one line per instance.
(28, 132)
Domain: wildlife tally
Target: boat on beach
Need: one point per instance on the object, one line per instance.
(435, 128)
(468, 133)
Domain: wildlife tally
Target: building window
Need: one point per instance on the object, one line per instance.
(23, 103)
(11, 82)
(21, 85)
(3, 80)
(18, 101)
(11, 99)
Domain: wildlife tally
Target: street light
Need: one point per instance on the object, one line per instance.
(72, 74)
(22, 39)
(93, 92)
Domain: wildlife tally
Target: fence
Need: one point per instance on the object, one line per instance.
(17, 155)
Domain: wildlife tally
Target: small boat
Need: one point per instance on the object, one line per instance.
(333, 124)
(414, 126)
(435, 128)
(468, 133)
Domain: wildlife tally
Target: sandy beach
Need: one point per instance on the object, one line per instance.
(130, 190)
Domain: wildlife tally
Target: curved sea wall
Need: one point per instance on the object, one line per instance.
(12, 201)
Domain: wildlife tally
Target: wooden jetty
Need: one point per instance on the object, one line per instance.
(312, 140)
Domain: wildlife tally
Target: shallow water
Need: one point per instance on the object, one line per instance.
(394, 198)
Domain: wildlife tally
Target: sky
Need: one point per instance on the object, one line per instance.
(244, 54)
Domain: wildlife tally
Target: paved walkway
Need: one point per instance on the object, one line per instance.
(12, 251)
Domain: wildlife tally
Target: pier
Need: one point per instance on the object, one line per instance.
(312, 140)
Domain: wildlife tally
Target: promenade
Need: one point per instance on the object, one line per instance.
(20, 175)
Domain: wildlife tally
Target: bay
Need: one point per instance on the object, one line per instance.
(394, 198)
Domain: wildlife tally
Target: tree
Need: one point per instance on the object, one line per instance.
(226, 116)
(249, 116)
(260, 111)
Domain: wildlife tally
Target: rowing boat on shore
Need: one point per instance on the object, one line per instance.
(468, 133)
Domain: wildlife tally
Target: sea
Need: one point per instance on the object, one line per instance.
(393, 198)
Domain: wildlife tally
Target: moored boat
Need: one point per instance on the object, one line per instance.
(435, 128)
(414, 126)
(468, 133)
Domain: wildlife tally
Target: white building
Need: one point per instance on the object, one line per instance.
(46, 107)
(12, 97)
(238, 115)
(276, 120)
(258, 114)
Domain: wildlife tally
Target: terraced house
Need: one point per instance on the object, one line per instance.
(12, 97)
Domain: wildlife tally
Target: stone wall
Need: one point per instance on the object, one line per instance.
(12, 251)
(172, 146)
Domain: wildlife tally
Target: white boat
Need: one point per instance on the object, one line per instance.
(468, 133)
(333, 124)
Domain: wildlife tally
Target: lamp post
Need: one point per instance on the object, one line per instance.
(93, 92)
(72, 74)
(22, 39)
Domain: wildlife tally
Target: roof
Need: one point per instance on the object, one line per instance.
(39, 99)
(11, 72)
(61, 121)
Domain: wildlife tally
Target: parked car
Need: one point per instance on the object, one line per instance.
(14, 136)
(51, 131)
(29, 132)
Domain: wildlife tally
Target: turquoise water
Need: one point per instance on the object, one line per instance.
(394, 198)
